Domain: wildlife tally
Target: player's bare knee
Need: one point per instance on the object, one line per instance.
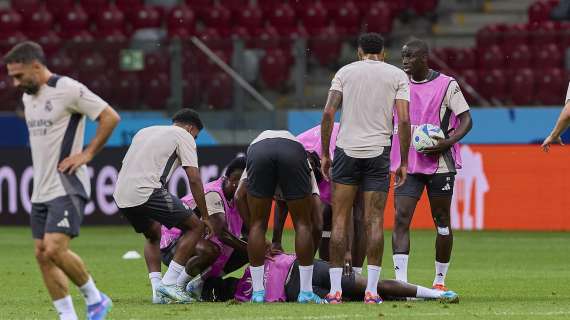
(53, 251)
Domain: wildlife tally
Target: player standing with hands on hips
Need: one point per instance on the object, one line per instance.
(434, 99)
(55, 108)
(368, 91)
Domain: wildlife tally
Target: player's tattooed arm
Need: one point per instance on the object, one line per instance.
(334, 100)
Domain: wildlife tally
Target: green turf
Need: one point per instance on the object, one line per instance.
(498, 276)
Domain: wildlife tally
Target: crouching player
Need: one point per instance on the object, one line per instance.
(219, 253)
(282, 284)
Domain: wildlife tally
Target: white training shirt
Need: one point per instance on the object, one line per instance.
(55, 117)
(369, 89)
(214, 203)
(154, 154)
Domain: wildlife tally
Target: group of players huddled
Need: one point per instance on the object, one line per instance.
(333, 179)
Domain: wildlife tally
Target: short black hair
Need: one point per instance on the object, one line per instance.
(371, 43)
(236, 164)
(420, 45)
(188, 116)
(25, 52)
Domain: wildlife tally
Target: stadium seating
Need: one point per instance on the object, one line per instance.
(156, 90)
(274, 69)
(493, 85)
(26, 7)
(378, 18)
(551, 86)
(125, 92)
(219, 92)
(108, 20)
(520, 58)
(314, 17)
(38, 22)
(282, 17)
(181, 21)
(93, 7)
(73, 22)
(10, 21)
(250, 18)
(346, 17)
(521, 87)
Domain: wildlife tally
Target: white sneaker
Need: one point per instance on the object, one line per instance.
(194, 288)
(175, 293)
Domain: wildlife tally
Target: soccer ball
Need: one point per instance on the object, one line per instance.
(425, 136)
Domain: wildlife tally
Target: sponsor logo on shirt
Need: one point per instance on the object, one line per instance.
(48, 106)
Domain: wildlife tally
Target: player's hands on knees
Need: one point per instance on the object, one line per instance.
(70, 164)
(400, 176)
(347, 270)
(326, 164)
(549, 141)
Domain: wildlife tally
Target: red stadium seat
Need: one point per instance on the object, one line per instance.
(443, 55)
(93, 7)
(274, 69)
(326, 46)
(109, 18)
(548, 57)
(463, 59)
(98, 83)
(73, 21)
(218, 17)
(470, 77)
(80, 43)
(10, 21)
(266, 38)
(200, 6)
(212, 38)
(544, 34)
(521, 87)
(9, 40)
(207, 65)
(192, 88)
(145, 17)
(156, 91)
(38, 22)
(490, 35)
(155, 63)
(515, 36)
(25, 7)
(287, 41)
(59, 7)
(378, 18)
(423, 7)
(365, 5)
(539, 12)
(551, 86)
(9, 95)
(491, 58)
(91, 63)
(49, 40)
(129, 7)
(60, 63)
(219, 91)
(125, 90)
(493, 85)
(250, 17)
(240, 32)
(181, 22)
(314, 17)
(267, 6)
(347, 18)
(564, 36)
(520, 58)
(282, 17)
(111, 43)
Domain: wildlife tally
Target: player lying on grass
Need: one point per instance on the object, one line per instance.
(322, 217)
(214, 255)
(282, 284)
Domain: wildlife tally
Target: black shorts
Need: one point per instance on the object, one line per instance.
(161, 206)
(439, 185)
(61, 215)
(321, 281)
(278, 162)
(371, 174)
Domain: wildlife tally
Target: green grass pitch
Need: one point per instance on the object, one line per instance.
(499, 275)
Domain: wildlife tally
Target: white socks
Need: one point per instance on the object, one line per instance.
(171, 275)
(440, 272)
(336, 280)
(373, 277)
(357, 270)
(183, 279)
(90, 292)
(427, 293)
(306, 274)
(155, 278)
(64, 307)
(257, 277)
(401, 266)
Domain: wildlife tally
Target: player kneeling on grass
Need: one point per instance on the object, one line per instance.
(282, 283)
(219, 253)
(143, 199)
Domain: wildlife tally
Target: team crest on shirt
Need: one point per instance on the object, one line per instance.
(48, 106)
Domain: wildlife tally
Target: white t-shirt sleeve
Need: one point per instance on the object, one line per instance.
(454, 99)
(567, 94)
(86, 102)
(402, 86)
(336, 83)
(214, 203)
(187, 150)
